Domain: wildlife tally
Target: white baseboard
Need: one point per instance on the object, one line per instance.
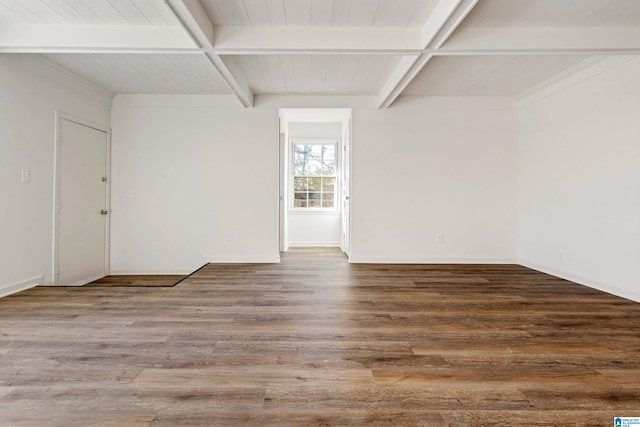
(623, 293)
(384, 260)
(159, 272)
(13, 288)
(242, 260)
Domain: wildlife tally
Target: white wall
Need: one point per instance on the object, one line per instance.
(31, 90)
(435, 165)
(313, 228)
(580, 179)
(315, 130)
(185, 175)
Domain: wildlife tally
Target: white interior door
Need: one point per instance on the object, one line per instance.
(81, 205)
(346, 215)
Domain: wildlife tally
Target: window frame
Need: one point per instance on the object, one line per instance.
(336, 194)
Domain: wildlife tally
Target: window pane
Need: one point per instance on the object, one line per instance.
(327, 196)
(330, 152)
(299, 204)
(300, 183)
(327, 203)
(315, 196)
(329, 160)
(315, 184)
(302, 155)
(329, 167)
(316, 150)
(328, 184)
(314, 166)
(300, 195)
(314, 204)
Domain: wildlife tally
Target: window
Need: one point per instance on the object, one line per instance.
(314, 175)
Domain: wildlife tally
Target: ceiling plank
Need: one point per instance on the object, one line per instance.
(196, 23)
(318, 73)
(69, 14)
(298, 12)
(340, 13)
(289, 73)
(87, 15)
(386, 13)
(321, 12)
(257, 12)
(535, 39)
(234, 12)
(152, 14)
(106, 11)
(19, 12)
(130, 11)
(302, 67)
(362, 13)
(230, 39)
(275, 8)
(276, 73)
(30, 38)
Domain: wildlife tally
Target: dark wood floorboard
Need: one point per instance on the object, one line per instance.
(317, 341)
(147, 280)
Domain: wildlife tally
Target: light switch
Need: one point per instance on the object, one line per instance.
(26, 176)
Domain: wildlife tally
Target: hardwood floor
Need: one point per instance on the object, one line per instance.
(316, 341)
(147, 280)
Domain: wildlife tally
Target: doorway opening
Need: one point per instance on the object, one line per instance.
(315, 147)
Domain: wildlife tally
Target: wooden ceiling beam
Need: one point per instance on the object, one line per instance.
(198, 26)
(443, 21)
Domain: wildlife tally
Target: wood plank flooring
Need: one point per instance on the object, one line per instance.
(316, 341)
(148, 280)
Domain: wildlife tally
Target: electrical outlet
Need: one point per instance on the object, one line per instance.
(25, 177)
(132, 194)
(228, 237)
(563, 257)
(439, 237)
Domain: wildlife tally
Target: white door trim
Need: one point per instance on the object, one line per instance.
(59, 116)
(345, 237)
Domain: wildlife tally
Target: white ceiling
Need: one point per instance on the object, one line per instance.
(152, 74)
(376, 50)
(486, 75)
(316, 74)
(546, 13)
(319, 13)
(90, 12)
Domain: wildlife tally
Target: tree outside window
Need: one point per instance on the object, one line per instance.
(314, 175)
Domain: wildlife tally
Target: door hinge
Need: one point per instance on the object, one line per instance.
(57, 273)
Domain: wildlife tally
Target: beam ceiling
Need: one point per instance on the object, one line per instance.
(404, 35)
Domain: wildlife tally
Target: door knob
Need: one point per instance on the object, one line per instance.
(104, 212)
